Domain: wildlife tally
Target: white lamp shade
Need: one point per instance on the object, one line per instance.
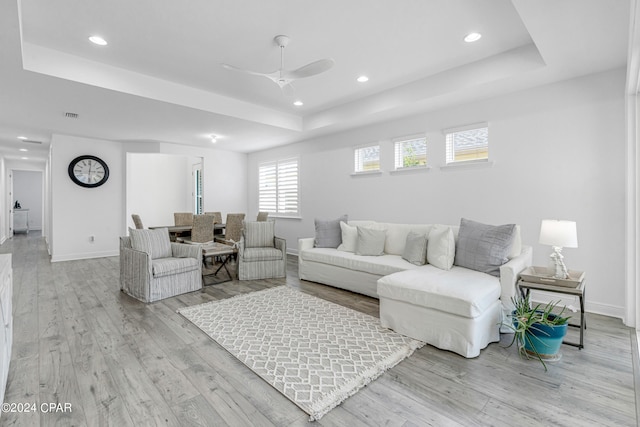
(554, 232)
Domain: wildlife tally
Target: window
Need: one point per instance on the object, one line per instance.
(197, 188)
(278, 187)
(367, 159)
(468, 143)
(410, 152)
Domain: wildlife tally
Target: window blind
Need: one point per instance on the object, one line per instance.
(278, 189)
(410, 153)
(367, 158)
(467, 144)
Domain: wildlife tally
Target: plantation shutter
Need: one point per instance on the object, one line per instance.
(278, 187)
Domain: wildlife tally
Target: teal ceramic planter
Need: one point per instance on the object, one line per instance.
(544, 339)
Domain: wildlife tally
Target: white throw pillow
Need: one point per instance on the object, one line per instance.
(370, 241)
(441, 247)
(349, 237)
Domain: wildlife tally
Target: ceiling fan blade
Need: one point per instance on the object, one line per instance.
(311, 69)
(242, 70)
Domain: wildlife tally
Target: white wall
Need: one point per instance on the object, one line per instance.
(558, 152)
(77, 212)
(224, 176)
(27, 189)
(157, 186)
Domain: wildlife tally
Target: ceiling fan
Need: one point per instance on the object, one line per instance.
(282, 77)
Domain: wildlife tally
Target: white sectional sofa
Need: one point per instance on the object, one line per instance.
(456, 309)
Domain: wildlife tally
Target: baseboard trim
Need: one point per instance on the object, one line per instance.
(73, 257)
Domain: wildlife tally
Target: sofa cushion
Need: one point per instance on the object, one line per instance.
(484, 247)
(397, 235)
(441, 247)
(380, 266)
(155, 243)
(349, 237)
(415, 248)
(261, 254)
(170, 266)
(258, 234)
(328, 233)
(460, 291)
(370, 241)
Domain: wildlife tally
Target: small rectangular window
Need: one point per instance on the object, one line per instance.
(367, 159)
(410, 152)
(468, 143)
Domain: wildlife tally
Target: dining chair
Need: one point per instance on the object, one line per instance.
(183, 218)
(233, 229)
(262, 216)
(216, 215)
(202, 231)
(137, 221)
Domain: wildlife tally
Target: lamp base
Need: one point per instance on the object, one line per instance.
(560, 268)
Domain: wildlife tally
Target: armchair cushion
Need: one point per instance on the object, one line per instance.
(155, 243)
(258, 234)
(262, 254)
(169, 266)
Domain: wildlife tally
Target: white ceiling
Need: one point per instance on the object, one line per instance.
(160, 78)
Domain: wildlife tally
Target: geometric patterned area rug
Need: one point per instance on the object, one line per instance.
(313, 351)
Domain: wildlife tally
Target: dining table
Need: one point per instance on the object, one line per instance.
(179, 230)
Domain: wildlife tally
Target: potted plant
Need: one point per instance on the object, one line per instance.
(538, 332)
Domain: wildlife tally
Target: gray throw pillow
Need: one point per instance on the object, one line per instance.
(483, 247)
(328, 233)
(370, 241)
(155, 242)
(415, 248)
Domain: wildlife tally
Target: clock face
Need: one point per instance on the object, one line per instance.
(88, 171)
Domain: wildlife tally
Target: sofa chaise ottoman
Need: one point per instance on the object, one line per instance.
(449, 306)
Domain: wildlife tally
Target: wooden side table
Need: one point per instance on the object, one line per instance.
(527, 287)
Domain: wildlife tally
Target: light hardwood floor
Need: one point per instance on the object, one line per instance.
(79, 340)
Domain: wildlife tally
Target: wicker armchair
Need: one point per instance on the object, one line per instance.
(153, 268)
(261, 255)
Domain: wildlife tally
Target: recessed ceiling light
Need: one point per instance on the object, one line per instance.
(22, 138)
(298, 103)
(23, 149)
(24, 158)
(472, 37)
(98, 40)
(363, 79)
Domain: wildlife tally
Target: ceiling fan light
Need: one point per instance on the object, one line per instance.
(214, 139)
(98, 40)
(472, 37)
(23, 137)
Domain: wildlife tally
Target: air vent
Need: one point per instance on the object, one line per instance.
(31, 141)
(71, 115)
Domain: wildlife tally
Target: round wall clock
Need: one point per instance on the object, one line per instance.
(88, 171)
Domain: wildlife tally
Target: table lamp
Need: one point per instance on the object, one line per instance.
(558, 234)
